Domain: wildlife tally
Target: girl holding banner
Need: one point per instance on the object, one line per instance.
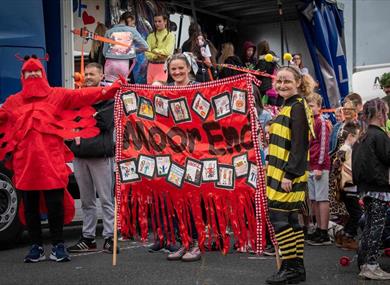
(179, 67)
(287, 172)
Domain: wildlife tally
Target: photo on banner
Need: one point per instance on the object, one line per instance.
(161, 105)
(239, 101)
(226, 177)
(176, 175)
(145, 109)
(179, 110)
(210, 170)
(240, 164)
(193, 171)
(222, 106)
(252, 175)
(163, 162)
(130, 102)
(128, 170)
(146, 166)
(201, 106)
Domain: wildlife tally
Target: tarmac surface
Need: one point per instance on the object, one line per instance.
(135, 265)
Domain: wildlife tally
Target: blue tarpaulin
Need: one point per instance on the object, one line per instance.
(323, 26)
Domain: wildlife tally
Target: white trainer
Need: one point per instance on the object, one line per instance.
(373, 272)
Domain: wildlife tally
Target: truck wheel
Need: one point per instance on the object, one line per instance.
(10, 226)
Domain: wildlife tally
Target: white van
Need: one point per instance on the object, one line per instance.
(365, 81)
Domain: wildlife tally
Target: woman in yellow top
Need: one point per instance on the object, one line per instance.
(161, 45)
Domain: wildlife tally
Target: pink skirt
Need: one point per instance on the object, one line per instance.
(156, 73)
(115, 67)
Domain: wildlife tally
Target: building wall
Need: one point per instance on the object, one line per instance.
(271, 32)
(372, 34)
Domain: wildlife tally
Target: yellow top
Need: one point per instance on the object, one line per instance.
(161, 44)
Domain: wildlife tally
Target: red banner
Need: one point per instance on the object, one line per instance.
(190, 153)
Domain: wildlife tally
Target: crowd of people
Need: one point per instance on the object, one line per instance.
(318, 173)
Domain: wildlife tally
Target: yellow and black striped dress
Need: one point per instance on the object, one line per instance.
(288, 154)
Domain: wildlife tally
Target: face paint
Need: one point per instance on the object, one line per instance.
(285, 84)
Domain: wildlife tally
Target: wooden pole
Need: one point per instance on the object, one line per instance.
(82, 59)
(114, 254)
(277, 256)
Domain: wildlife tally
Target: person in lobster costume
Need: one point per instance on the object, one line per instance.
(33, 126)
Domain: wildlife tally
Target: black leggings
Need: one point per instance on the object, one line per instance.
(355, 213)
(282, 219)
(54, 200)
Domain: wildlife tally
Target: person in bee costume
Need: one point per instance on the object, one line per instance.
(287, 171)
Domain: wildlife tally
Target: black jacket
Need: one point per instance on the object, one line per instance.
(371, 161)
(103, 144)
(226, 72)
(268, 67)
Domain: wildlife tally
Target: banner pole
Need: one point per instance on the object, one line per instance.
(114, 254)
(276, 246)
(277, 256)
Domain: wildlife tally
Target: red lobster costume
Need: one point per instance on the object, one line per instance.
(33, 125)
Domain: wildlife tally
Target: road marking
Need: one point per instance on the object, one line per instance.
(258, 257)
(100, 251)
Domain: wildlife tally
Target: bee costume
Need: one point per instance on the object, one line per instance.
(288, 157)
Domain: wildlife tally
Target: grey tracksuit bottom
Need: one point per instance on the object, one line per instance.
(95, 175)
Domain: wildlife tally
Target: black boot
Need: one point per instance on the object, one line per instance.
(300, 268)
(286, 274)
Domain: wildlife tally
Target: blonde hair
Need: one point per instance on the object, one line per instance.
(308, 84)
(100, 30)
(314, 98)
(227, 51)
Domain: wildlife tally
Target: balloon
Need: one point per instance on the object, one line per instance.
(78, 77)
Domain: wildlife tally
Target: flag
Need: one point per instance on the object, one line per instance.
(323, 26)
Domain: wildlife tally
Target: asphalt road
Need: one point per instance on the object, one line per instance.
(136, 266)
